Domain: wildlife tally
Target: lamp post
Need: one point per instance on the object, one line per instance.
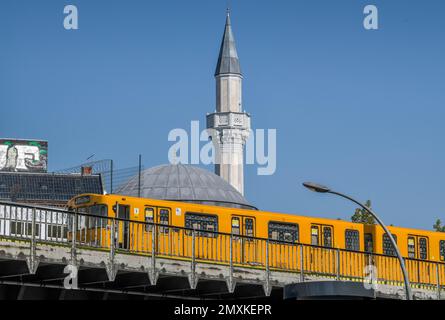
(323, 189)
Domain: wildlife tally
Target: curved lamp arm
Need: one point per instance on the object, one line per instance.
(409, 295)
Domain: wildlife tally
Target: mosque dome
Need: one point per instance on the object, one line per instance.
(185, 183)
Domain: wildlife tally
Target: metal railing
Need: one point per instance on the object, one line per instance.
(45, 225)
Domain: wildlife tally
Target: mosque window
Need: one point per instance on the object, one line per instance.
(352, 240)
(202, 223)
(283, 232)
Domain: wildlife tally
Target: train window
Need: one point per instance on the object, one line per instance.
(314, 236)
(388, 248)
(273, 234)
(96, 210)
(423, 249)
(21, 228)
(235, 226)
(56, 231)
(99, 210)
(352, 240)
(411, 247)
(149, 219)
(16, 227)
(102, 211)
(442, 250)
(249, 227)
(283, 232)
(327, 237)
(202, 222)
(369, 245)
(164, 219)
(29, 229)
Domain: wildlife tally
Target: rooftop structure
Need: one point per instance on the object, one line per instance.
(46, 188)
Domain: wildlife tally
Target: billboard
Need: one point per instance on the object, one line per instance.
(23, 155)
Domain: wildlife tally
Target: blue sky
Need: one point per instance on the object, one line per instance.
(361, 111)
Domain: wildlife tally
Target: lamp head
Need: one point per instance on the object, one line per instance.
(316, 187)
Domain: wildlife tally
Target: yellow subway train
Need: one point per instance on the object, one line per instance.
(256, 239)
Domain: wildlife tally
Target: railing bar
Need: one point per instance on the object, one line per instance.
(301, 263)
(438, 281)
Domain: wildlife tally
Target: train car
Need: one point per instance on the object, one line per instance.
(254, 238)
(50, 224)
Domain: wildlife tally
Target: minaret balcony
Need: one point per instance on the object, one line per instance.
(228, 120)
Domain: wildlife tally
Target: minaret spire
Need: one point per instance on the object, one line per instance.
(230, 125)
(228, 61)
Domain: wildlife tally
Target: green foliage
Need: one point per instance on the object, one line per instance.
(438, 226)
(363, 216)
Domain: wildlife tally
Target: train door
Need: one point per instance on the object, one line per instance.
(159, 217)
(163, 245)
(417, 247)
(320, 257)
(244, 247)
(321, 235)
(123, 214)
(369, 243)
(417, 251)
(369, 248)
(148, 236)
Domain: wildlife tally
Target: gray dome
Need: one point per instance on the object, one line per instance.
(184, 183)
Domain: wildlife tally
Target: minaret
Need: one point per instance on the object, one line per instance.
(230, 124)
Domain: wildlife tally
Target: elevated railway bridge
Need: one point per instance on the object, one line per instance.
(37, 244)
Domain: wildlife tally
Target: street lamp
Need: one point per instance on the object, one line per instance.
(323, 189)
